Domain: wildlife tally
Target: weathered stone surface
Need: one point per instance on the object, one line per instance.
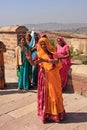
(18, 111)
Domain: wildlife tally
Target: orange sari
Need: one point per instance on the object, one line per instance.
(50, 101)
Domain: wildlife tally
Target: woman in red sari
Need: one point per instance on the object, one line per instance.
(2, 72)
(50, 101)
(63, 52)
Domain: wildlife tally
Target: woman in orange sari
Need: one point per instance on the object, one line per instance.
(50, 101)
(2, 73)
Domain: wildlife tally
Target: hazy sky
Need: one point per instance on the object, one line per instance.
(13, 12)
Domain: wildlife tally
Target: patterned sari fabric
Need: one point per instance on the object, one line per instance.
(50, 101)
(2, 74)
(66, 62)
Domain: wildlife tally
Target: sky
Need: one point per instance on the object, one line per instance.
(20, 12)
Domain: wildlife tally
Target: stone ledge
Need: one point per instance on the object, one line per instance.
(79, 70)
(77, 80)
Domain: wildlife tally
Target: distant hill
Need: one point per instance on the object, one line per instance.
(82, 30)
(75, 27)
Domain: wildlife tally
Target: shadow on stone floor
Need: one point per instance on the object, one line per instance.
(11, 88)
(75, 117)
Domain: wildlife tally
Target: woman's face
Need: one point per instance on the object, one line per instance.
(28, 37)
(43, 46)
(36, 38)
(22, 41)
(59, 41)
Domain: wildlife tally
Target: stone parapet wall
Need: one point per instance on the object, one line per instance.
(10, 41)
(77, 84)
(78, 44)
(78, 41)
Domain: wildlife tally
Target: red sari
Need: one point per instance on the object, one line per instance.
(2, 74)
(50, 101)
(65, 64)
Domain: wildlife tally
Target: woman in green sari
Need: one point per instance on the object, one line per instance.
(23, 66)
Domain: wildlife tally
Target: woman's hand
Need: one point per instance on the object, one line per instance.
(53, 61)
(43, 60)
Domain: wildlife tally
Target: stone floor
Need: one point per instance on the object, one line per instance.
(18, 110)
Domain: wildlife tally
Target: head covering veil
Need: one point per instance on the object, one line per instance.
(42, 54)
(62, 40)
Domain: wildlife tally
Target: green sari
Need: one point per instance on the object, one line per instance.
(25, 71)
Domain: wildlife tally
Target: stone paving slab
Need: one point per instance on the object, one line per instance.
(18, 111)
(23, 110)
(11, 102)
(80, 70)
(25, 117)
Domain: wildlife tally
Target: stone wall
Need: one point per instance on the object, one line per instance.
(10, 40)
(78, 44)
(78, 41)
(77, 84)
